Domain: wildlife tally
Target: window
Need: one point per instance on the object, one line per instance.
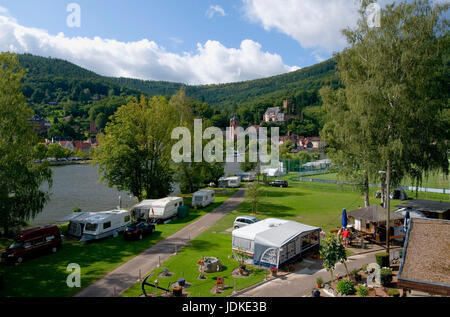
(26, 245)
(127, 218)
(49, 238)
(91, 227)
(107, 225)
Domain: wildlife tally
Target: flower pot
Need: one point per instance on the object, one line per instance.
(319, 285)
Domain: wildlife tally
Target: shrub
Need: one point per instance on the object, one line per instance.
(319, 280)
(362, 291)
(345, 287)
(393, 292)
(382, 259)
(386, 276)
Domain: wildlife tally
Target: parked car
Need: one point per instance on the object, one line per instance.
(138, 230)
(243, 221)
(279, 183)
(33, 242)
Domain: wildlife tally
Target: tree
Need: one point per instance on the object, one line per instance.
(332, 252)
(57, 151)
(254, 196)
(40, 151)
(20, 180)
(396, 93)
(135, 150)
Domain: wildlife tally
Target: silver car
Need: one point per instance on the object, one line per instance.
(243, 221)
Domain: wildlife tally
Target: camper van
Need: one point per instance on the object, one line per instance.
(159, 209)
(203, 198)
(229, 182)
(105, 224)
(33, 242)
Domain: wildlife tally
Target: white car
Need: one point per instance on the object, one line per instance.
(243, 221)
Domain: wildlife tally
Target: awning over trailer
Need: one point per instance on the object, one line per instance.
(279, 236)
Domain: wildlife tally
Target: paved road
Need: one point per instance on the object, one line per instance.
(125, 276)
(302, 282)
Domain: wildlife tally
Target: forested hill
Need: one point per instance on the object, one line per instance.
(246, 93)
(71, 96)
(46, 72)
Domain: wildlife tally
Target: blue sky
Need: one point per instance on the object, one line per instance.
(192, 41)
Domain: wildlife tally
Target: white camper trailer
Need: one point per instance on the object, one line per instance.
(76, 221)
(203, 198)
(229, 182)
(159, 209)
(105, 224)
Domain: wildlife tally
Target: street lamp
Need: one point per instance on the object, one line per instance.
(388, 200)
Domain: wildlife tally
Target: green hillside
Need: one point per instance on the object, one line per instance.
(58, 89)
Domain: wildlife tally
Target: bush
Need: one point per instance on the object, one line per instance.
(319, 281)
(382, 259)
(393, 292)
(362, 291)
(386, 276)
(345, 287)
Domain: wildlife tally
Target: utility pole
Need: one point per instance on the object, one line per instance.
(388, 203)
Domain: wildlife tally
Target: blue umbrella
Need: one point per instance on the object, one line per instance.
(344, 218)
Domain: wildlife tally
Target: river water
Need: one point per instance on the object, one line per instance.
(79, 186)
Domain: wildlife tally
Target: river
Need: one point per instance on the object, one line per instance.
(79, 186)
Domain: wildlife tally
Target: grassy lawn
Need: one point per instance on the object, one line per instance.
(46, 276)
(300, 202)
(310, 203)
(435, 180)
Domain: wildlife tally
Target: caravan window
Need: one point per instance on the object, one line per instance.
(107, 225)
(91, 227)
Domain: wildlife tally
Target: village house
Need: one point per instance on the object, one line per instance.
(274, 114)
(40, 125)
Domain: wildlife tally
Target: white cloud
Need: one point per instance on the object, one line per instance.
(212, 10)
(212, 62)
(315, 24)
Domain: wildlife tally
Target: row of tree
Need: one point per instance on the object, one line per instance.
(390, 120)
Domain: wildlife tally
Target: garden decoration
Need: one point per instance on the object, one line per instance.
(210, 265)
(145, 283)
(274, 271)
(374, 273)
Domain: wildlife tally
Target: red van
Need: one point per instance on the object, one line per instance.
(32, 243)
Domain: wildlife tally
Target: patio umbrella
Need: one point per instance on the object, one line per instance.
(344, 218)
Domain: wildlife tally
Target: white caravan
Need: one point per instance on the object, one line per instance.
(229, 182)
(159, 209)
(105, 224)
(76, 221)
(203, 198)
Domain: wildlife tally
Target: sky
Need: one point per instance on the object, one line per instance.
(188, 41)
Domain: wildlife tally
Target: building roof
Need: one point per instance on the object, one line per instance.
(279, 236)
(249, 232)
(273, 232)
(273, 110)
(374, 213)
(426, 263)
(426, 205)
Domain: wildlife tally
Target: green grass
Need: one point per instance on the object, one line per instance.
(435, 180)
(310, 203)
(46, 276)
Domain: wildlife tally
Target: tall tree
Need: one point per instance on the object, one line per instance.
(135, 150)
(20, 180)
(396, 90)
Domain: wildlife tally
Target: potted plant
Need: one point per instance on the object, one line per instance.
(319, 282)
(274, 271)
